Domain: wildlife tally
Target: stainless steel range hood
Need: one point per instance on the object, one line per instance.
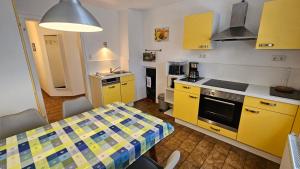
(237, 30)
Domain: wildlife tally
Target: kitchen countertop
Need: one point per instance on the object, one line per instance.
(252, 90)
(111, 75)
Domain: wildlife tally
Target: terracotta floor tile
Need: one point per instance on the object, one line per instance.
(188, 165)
(215, 160)
(188, 145)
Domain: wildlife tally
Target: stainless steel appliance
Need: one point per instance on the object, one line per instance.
(237, 30)
(221, 108)
(227, 85)
(193, 70)
(176, 69)
(110, 81)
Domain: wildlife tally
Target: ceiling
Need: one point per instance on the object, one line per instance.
(129, 4)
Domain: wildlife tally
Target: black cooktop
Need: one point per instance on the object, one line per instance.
(227, 85)
(192, 79)
(293, 95)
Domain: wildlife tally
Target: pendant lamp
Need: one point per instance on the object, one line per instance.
(70, 15)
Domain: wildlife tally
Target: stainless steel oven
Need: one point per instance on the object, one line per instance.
(221, 108)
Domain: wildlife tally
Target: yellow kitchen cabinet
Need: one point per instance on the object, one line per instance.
(187, 88)
(186, 106)
(111, 93)
(284, 108)
(265, 130)
(280, 25)
(198, 30)
(127, 91)
(217, 129)
(296, 125)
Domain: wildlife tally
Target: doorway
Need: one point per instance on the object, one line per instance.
(57, 58)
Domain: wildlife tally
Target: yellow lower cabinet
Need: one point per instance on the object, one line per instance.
(186, 106)
(296, 126)
(216, 129)
(265, 130)
(127, 92)
(111, 93)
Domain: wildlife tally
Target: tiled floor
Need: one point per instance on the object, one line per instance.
(201, 151)
(54, 106)
(197, 150)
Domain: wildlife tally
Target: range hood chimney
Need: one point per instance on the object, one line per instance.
(237, 30)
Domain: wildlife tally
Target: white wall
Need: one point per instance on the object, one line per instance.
(98, 59)
(16, 88)
(132, 46)
(237, 61)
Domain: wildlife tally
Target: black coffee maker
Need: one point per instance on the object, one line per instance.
(193, 71)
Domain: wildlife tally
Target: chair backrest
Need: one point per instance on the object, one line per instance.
(17, 123)
(76, 106)
(173, 160)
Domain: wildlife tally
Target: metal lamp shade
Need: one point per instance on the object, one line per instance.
(70, 15)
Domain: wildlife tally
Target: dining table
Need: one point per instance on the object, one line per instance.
(108, 137)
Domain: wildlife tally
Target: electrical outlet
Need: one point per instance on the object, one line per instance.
(202, 56)
(278, 58)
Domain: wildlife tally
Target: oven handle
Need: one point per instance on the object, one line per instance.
(220, 101)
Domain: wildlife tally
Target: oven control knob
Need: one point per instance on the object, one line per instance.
(212, 93)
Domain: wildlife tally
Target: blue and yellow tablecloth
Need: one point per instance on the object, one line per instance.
(110, 137)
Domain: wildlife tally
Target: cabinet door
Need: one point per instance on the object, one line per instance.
(296, 126)
(186, 106)
(111, 93)
(198, 31)
(265, 130)
(269, 29)
(127, 91)
(290, 25)
(280, 25)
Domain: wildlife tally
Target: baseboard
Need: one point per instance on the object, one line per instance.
(232, 142)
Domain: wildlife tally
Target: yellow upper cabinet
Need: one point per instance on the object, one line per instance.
(280, 25)
(198, 30)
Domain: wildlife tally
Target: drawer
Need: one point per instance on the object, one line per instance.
(187, 88)
(127, 78)
(279, 107)
(218, 130)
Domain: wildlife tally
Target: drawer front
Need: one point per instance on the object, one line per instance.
(127, 78)
(187, 88)
(279, 107)
(218, 130)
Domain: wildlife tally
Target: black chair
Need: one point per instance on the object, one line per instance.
(147, 163)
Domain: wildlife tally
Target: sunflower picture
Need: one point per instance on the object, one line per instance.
(161, 34)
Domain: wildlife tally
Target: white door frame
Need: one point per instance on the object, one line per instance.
(21, 20)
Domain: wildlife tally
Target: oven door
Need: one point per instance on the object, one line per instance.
(225, 113)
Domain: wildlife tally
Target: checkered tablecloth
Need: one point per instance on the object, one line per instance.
(110, 137)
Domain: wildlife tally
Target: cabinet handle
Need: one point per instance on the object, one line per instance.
(193, 97)
(266, 45)
(111, 87)
(268, 104)
(217, 130)
(124, 84)
(252, 111)
(186, 87)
